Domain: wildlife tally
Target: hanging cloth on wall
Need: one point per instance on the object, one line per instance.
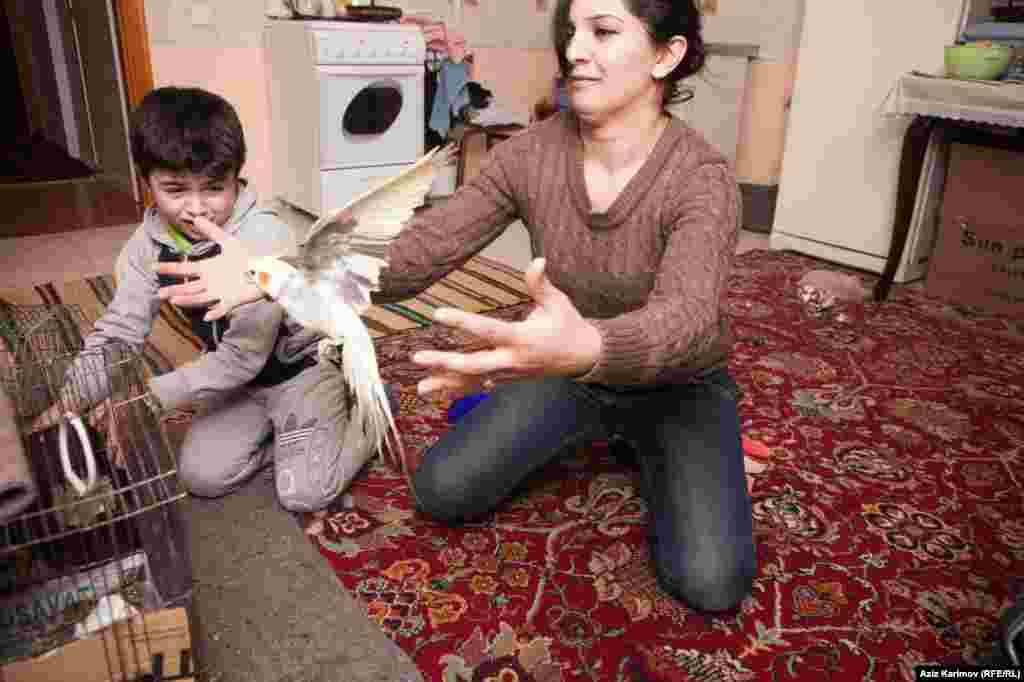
(450, 97)
(439, 38)
(431, 137)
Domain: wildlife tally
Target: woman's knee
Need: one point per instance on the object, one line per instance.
(708, 583)
(442, 493)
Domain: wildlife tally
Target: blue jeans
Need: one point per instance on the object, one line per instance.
(687, 439)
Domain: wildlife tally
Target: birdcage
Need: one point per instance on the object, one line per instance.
(91, 541)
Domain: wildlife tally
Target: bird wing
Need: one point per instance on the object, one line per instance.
(347, 245)
(344, 248)
(378, 215)
(338, 265)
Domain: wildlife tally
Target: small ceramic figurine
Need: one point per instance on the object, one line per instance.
(279, 9)
(308, 8)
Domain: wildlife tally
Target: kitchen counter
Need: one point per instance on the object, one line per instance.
(749, 50)
(716, 108)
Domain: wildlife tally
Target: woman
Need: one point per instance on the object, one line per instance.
(634, 219)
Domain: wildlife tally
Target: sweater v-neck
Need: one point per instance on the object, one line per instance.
(638, 186)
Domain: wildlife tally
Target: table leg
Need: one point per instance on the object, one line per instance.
(915, 144)
(467, 134)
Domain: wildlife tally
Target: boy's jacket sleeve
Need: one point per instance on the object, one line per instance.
(246, 344)
(241, 354)
(128, 318)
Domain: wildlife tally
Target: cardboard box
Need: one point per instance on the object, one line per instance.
(50, 614)
(979, 253)
(155, 642)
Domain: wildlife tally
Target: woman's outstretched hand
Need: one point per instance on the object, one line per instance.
(219, 279)
(554, 340)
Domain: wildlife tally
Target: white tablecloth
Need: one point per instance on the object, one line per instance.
(995, 102)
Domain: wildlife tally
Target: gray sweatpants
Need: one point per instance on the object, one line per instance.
(300, 426)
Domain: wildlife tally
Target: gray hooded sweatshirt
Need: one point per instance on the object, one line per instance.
(257, 344)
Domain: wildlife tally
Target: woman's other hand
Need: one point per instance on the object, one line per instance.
(554, 340)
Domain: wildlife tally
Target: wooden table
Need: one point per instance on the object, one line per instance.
(493, 134)
(936, 102)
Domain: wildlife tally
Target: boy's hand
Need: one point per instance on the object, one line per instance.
(55, 412)
(221, 278)
(101, 418)
(47, 418)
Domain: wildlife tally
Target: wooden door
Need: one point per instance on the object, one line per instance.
(46, 208)
(136, 64)
(116, 74)
(137, 69)
(104, 91)
(14, 124)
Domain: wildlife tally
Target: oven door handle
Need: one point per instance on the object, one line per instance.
(364, 70)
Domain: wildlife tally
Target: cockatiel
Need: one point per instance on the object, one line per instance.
(328, 285)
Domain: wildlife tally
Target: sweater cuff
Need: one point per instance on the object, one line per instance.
(170, 390)
(624, 359)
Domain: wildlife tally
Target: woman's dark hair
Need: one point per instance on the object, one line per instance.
(664, 19)
(187, 129)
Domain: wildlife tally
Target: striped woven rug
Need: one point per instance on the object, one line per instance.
(481, 285)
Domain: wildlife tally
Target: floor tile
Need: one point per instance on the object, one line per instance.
(25, 261)
(103, 246)
(752, 240)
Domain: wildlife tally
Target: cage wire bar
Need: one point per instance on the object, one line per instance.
(103, 542)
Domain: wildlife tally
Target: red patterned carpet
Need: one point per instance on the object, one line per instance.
(888, 525)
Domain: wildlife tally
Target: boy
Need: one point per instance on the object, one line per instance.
(260, 394)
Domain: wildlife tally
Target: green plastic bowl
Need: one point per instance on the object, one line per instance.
(978, 62)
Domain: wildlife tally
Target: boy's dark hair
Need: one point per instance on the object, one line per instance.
(187, 129)
(663, 19)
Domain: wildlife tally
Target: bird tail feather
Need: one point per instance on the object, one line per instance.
(371, 405)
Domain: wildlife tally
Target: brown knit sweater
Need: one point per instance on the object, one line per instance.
(650, 273)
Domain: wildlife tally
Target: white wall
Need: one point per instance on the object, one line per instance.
(774, 25)
(226, 57)
(497, 23)
(233, 23)
(511, 41)
(503, 23)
